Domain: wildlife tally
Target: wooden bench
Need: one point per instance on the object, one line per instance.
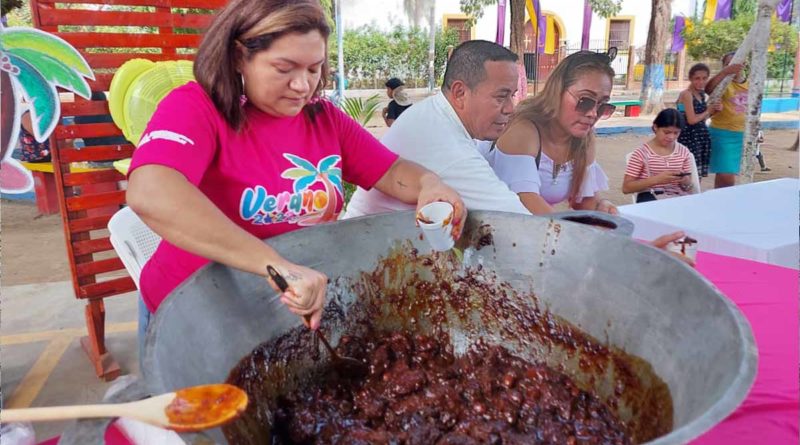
(107, 37)
(46, 190)
(632, 107)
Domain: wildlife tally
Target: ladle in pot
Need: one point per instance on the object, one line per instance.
(185, 410)
(346, 366)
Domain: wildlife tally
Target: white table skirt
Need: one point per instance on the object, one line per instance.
(756, 221)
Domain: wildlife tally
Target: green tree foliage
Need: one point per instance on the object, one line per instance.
(371, 55)
(744, 8)
(9, 5)
(713, 40)
(18, 15)
(603, 8)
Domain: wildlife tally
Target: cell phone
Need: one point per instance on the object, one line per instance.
(680, 175)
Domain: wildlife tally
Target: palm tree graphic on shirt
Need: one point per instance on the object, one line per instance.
(305, 174)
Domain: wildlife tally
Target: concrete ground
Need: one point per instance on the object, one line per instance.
(41, 322)
(43, 363)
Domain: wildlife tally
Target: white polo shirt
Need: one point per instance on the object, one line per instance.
(431, 134)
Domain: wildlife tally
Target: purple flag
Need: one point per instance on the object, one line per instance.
(587, 24)
(501, 22)
(677, 38)
(723, 9)
(541, 21)
(784, 10)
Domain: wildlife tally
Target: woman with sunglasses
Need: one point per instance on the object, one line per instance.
(547, 153)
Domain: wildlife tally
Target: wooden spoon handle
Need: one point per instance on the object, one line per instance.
(58, 413)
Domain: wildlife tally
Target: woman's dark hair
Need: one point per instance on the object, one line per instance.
(669, 117)
(698, 67)
(239, 31)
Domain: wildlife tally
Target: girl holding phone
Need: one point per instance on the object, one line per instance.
(661, 167)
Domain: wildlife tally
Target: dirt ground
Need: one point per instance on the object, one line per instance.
(33, 248)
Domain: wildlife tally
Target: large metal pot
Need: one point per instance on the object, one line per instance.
(631, 296)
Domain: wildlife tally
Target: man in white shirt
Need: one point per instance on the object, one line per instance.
(440, 132)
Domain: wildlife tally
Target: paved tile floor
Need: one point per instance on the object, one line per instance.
(41, 360)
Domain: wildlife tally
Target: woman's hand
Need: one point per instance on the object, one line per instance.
(433, 190)
(663, 241)
(733, 68)
(666, 177)
(607, 206)
(714, 107)
(306, 292)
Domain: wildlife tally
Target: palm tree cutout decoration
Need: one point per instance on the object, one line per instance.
(305, 174)
(33, 64)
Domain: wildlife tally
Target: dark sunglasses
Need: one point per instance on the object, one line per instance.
(586, 104)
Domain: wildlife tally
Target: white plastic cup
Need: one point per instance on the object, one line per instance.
(436, 222)
(685, 249)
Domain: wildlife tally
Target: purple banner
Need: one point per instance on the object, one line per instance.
(723, 9)
(784, 10)
(541, 21)
(501, 22)
(587, 24)
(677, 38)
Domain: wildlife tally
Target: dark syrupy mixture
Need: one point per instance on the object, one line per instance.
(419, 392)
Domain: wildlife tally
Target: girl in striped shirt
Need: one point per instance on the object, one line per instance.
(660, 168)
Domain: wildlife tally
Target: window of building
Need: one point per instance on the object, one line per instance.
(460, 23)
(619, 33)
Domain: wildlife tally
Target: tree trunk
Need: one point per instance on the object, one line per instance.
(758, 75)
(518, 28)
(652, 96)
(432, 47)
(739, 57)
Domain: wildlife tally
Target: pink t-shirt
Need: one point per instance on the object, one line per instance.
(274, 176)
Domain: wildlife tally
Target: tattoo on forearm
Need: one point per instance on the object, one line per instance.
(401, 184)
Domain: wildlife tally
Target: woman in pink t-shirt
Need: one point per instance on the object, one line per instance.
(250, 151)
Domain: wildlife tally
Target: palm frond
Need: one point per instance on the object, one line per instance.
(360, 109)
(53, 46)
(40, 94)
(53, 70)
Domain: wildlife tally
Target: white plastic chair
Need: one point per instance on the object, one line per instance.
(133, 241)
(692, 170)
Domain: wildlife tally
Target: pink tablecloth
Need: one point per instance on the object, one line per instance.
(768, 297)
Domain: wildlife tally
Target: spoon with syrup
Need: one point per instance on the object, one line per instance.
(185, 410)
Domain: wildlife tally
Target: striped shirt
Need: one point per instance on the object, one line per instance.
(645, 163)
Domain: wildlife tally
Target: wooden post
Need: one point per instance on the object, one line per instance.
(681, 67)
(796, 77)
(631, 66)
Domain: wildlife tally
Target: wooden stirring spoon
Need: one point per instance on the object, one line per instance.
(346, 366)
(186, 410)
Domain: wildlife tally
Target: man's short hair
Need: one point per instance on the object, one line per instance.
(393, 83)
(467, 62)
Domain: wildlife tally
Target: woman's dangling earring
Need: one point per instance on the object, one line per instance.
(243, 97)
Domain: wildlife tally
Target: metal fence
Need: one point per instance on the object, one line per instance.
(538, 66)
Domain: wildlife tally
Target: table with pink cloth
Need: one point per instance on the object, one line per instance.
(768, 297)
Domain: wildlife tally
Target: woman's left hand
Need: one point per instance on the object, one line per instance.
(607, 206)
(433, 190)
